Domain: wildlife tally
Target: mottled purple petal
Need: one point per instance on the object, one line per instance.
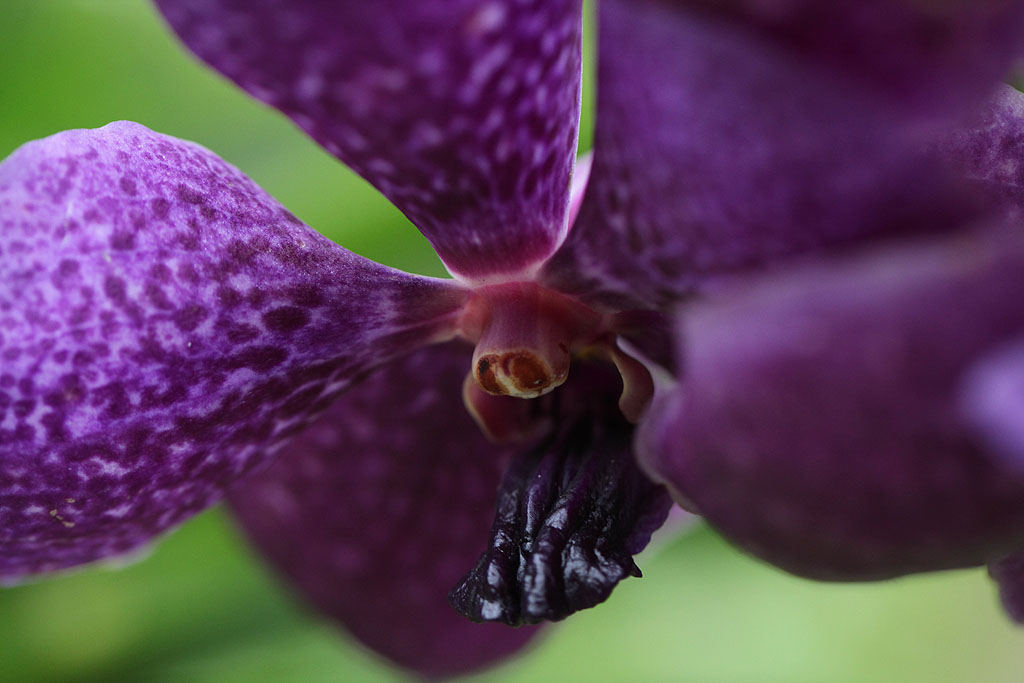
(990, 151)
(463, 113)
(819, 423)
(164, 326)
(716, 150)
(1008, 573)
(377, 510)
(572, 512)
(928, 58)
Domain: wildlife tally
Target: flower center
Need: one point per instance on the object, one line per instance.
(525, 338)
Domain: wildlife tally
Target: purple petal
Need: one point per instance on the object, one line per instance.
(377, 510)
(572, 512)
(929, 58)
(992, 398)
(464, 114)
(991, 151)
(716, 150)
(1008, 573)
(164, 326)
(819, 424)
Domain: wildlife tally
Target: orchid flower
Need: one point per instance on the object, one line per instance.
(783, 293)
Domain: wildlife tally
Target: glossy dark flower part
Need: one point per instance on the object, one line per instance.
(571, 512)
(808, 212)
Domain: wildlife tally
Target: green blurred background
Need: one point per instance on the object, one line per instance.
(201, 607)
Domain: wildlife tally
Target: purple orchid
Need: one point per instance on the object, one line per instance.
(806, 213)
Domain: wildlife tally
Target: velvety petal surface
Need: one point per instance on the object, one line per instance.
(925, 57)
(464, 113)
(376, 511)
(716, 149)
(820, 427)
(572, 511)
(164, 327)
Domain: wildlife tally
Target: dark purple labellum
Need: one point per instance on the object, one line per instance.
(571, 514)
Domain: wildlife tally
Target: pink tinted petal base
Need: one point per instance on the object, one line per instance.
(464, 114)
(819, 423)
(717, 150)
(377, 510)
(165, 326)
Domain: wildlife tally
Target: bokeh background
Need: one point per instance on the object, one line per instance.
(201, 607)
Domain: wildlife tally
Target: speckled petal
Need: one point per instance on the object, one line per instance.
(464, 113)
(377, 510)
(164, 326)
(819, 426)
(923, 56)
(715, 149)
(990, 151)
